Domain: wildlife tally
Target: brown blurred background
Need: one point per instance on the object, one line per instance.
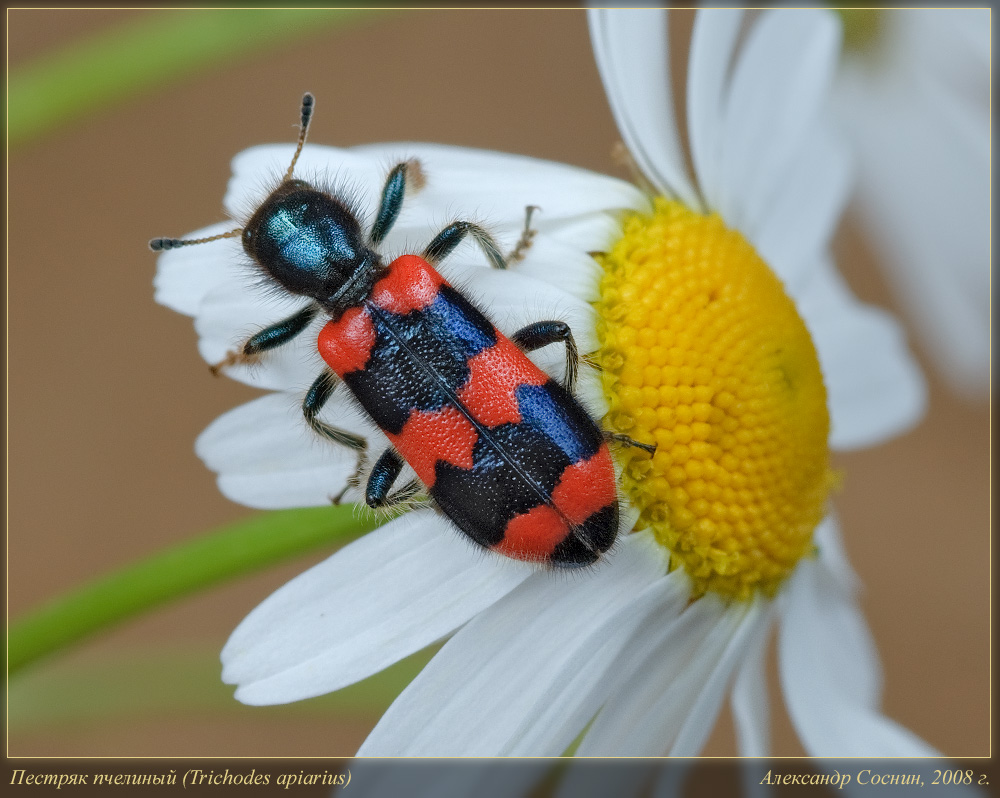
(107, 392)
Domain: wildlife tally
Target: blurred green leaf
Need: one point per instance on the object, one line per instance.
(209, 559)
(169, 683)
(147, 51)
(863, 28)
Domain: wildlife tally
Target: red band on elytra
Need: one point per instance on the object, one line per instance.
(432, 436)
(533, 535)
(494, 375)
(586, 487)
(346, 344)
(411, 284)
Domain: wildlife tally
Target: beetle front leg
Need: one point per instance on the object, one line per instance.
(449, 238)
(543, 333)
(269, 338)
(406, 175)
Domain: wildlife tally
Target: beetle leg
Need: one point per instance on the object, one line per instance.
(403, 175)
(383, 476)
(625, 439)
(543, 333)
(317, 396)
(449, 238)
(269, 338)
(527, 236)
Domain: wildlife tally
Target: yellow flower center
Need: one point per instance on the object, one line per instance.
(703, 354)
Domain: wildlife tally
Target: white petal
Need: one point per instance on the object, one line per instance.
(801, 220)
(616, 731)
(674, 683)
(267, 457)
(828, 541)
(383, 597)
(950, 43)
(874, 388)
(779, 81)
(856, 667)
(593, 233)
(924, 152)
(185, 275)
(714, 681)
(496, 187)
(750, 704)
(712, 41)
(830, 673)
(258, 170)
(590, 393)
(566, 266)
(630, 46)
(591, 677)
(496, 674)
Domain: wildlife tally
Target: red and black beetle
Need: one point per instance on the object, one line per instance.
(502, 449)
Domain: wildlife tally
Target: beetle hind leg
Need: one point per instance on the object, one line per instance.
(619, 437)
(543, 333)
(383, 476)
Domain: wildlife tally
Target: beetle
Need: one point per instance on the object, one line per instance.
(506, 452)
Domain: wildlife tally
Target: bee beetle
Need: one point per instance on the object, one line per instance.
(502, 449)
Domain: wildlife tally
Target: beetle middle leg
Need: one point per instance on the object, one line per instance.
(449, 238)
(317, 396)
(384, 474)
(543, 333)
(269, 338)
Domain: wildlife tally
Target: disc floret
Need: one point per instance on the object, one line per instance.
(705, 355)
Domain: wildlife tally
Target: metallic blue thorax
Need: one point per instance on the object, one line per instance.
(305, 239)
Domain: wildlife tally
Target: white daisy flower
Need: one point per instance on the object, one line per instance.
(914, 96)
(724, 335)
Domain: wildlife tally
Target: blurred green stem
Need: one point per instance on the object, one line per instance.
(226, 553)
(143, 52)
(117, 686)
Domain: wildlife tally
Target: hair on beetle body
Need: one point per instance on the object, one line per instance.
(499, 447)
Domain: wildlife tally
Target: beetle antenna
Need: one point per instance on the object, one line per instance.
(159, 244)
(307, 110)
